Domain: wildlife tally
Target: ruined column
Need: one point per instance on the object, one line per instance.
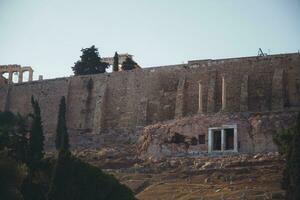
(20, 76)
(179, 107)
(223, 94)
(277, 90)
(210, 140)
(30, 75)
(223, 142)
(10, 77)
(211, 96)
(244, 94)
(235, 145)
(200, 105)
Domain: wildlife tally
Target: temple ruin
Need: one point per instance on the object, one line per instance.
(15, 69)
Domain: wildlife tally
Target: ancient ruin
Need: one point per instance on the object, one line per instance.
(14, 69)
(202, 107)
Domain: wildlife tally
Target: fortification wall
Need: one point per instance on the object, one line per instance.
(120, 102)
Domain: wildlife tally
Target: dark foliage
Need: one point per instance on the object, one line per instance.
(76, 180)
(13, 130)
(62, 139)
(288, 144)
(36, 184)
(66, 178)
(36, 138)
(128, 64)
(7, 123)
(89, 63)
(116, 62)
(293, 165)
(11, 178)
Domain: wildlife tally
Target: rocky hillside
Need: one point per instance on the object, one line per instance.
(237, 176)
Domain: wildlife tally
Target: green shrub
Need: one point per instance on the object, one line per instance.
(76, 180)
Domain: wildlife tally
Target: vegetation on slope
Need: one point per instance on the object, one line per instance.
(288, 143)
(28, 175)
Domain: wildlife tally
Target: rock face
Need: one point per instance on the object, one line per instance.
(181, 137)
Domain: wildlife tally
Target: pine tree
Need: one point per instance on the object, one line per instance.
(36, 139)
(128, 64)
(116, 62)
(62, 138)
(90, 62)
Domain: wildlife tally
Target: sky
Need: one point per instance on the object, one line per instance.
(49, 34)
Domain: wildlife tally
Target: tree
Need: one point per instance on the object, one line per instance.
(293, 165)
(36, 138)
(288, 144)
(13, 130)
(128, 64)
(76, 180)
(116, 62)
(62, 139)
(12, 175)
(89, 63)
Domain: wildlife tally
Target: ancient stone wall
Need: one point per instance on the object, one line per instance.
(120, 102)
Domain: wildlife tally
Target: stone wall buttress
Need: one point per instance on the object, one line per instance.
(244, 94)
(99, 112)
(179, 107)
(211, 93)
(277, 90)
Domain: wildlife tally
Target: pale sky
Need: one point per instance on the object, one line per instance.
(49, 34)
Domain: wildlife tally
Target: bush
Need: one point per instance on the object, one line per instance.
(12, 175)
(77, 180)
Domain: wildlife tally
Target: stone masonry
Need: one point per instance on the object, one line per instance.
(115, 107)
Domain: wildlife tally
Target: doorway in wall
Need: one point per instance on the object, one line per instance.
(223, 138)
(217, 140)
(229, 138)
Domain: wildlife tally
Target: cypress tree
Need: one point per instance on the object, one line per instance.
(62, 138)
(128, 64)
(36, 139)
(116, 62)
(61, 168)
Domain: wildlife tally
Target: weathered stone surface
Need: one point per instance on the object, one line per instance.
(244, 94)
(211, 94)
(255, 133)
(133, 99)
(180, 97)
(277, 90)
